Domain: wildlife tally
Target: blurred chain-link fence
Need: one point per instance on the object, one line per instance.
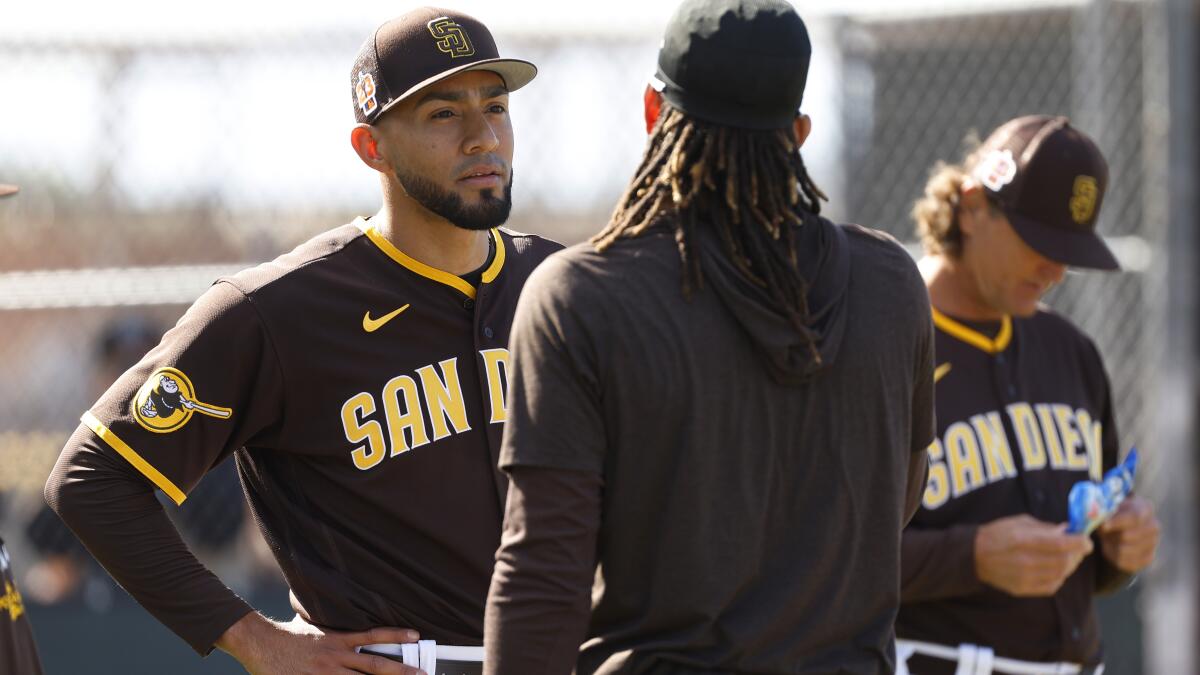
(149, 167)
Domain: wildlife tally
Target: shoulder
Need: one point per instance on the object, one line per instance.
(882, 261)
(576, 280)
(531, 246)
(568, 271)
(878, 245)
(1064, 350)
(324, 247)
(1051, 329)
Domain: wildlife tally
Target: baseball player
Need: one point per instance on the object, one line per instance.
(719, 406)
(18, 652)
(360, 382)
(991, 580)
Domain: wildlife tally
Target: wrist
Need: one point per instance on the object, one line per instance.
(238, 638)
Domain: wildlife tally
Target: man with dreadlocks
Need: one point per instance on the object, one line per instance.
(719, 406)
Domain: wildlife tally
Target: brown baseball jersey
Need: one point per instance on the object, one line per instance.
(1024, 412)
(18, 653)
(363, 394)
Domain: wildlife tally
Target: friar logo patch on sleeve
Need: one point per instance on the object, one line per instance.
(167, 401)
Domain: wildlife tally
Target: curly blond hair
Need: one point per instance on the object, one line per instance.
(936, 211)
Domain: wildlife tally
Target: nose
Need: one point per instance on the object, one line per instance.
(1051, 271)
(481, 137)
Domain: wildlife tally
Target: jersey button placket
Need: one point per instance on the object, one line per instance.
(1004, 378)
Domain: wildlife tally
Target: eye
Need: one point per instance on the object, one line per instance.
(442, 115)
(497, 108)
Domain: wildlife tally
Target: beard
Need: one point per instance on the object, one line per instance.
(491, 212)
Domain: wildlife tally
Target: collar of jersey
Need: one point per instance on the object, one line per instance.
(433, 273)
(973, 337)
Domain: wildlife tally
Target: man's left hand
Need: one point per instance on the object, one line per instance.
(1128, 539)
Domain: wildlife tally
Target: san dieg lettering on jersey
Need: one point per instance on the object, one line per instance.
(1023, 412)
(364, 403)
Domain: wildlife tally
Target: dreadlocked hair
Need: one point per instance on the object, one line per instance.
(750, 186)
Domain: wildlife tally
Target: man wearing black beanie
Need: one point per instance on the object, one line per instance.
(720, 405)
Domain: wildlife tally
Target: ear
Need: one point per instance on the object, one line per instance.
(653, 101)
(366, 145)
(970, 201)
(802, 127)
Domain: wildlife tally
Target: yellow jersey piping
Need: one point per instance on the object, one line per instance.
(973, 337)
(433, 273)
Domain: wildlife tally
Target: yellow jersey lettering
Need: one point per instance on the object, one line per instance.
(444, 398)
(966, 468)
(11, 602)
(937, 487)
(997, 456)
(495, 366)
(1058, 459)
(1072, 440)
(358, 429)
(1029, 436)
(406, 425)
(1091, 432)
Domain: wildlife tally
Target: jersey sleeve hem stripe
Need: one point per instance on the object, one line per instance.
(133, 458)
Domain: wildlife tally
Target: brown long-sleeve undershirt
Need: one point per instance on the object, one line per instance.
(540, 598)
(113, 511)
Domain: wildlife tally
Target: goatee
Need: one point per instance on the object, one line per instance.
(492, 211)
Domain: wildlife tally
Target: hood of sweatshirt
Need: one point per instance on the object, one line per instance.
(824, 261)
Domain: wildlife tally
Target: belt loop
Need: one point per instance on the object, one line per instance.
(984, 658)
(428, 655)
(966, 659)
(410, 653)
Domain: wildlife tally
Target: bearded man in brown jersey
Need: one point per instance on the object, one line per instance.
(360, 381)
(991, 580)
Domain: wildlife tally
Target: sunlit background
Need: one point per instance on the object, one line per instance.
(160, 145)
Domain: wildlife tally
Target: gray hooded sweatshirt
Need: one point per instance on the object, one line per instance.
(731, 503)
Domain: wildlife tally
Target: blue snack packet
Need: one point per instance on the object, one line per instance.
(1089, 504)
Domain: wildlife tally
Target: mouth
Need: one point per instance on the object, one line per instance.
(482, 176)
(1034, 288)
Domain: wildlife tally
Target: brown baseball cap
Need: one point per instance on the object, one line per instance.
(1049, 178)
(8, 190)
(415, 50)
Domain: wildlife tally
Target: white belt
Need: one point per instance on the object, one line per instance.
(424, 654)
(976, 660)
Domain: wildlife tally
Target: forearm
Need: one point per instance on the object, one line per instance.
(115, 514)
(539, 603)
(938, 564)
